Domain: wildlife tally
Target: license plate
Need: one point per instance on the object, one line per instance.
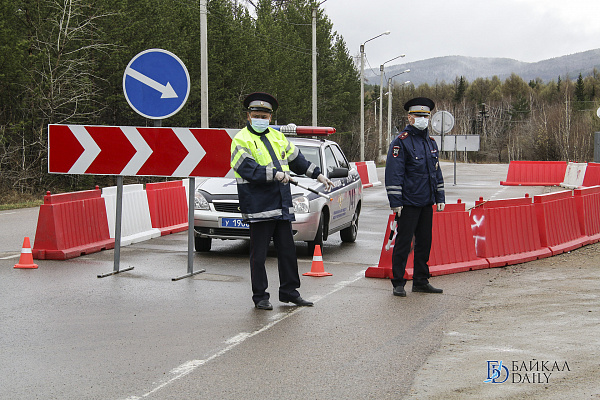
(233, 223)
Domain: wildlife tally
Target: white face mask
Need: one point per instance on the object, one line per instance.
(421, 123)
(259, 124)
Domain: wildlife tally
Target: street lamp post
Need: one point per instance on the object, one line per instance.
(381, 101)
(314, 62)
(362, 95)
(389, 133)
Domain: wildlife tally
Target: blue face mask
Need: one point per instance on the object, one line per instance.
(259, 124)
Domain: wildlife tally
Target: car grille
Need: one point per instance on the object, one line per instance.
(226, 207)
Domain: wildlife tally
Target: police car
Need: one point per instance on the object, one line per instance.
(217, 213)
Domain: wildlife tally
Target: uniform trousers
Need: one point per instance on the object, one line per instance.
(261, 233)
(413, 222)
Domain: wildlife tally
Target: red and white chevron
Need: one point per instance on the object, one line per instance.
(139, 151)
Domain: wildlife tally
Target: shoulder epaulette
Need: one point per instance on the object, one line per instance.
(404, 135)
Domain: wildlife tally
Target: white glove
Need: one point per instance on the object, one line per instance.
(325, 181)
(441, 206)
(397, 210)
(282, 177)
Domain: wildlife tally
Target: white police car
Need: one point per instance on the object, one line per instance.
(217, 214)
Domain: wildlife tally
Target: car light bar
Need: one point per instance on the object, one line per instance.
(292, 129)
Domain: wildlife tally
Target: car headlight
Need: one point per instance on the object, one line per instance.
(301, 205)
(200, 202)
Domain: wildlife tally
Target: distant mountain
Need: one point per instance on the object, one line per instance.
(446, 69)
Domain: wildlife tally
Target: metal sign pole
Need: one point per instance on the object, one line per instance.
(118, 219)
(190, 259)
(455, 160)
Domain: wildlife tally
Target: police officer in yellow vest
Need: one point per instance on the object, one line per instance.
(261, 158)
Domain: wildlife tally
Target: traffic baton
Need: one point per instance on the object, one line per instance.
(311, 190)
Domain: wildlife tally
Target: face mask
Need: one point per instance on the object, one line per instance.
(421, 123)
(259, 124)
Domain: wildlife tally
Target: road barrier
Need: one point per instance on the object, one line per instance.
(558, 222)
(506, 231)
(167, 202)
(136, 225)
(368, 173)
(592, 175)
(535, 173)
(574, 175)
(70, 225)
(587, 201)
(452, 246)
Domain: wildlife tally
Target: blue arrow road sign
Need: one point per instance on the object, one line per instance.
(156, 83)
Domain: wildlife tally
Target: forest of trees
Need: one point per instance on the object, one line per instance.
(62, 61)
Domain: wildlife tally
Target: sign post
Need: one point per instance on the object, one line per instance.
(156, 84)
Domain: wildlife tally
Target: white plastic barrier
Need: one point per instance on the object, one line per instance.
(372, 170)
(574, 175)
(136, 225)
(368, 173)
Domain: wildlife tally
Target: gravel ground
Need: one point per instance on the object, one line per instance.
(541, 319)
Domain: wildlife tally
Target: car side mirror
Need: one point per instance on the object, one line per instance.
(338, 173)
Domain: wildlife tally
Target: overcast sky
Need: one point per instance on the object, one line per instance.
(525, 30)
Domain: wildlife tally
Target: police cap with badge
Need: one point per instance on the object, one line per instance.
(421, 106)
(260, 101)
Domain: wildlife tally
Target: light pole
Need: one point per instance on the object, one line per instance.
(389, 133)
(381, 101)
(314, 62)
(362, 94)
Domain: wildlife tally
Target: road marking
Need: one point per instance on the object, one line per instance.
(9, 257)
(8, 213)
(190, 366)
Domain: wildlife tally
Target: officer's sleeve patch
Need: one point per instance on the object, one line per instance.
(396, 151)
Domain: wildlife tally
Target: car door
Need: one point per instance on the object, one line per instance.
(339, 212)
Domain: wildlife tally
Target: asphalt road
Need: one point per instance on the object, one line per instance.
(66, 334)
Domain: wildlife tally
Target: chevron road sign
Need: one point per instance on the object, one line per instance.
(141, 151)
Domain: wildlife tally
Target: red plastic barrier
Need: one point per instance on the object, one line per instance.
(558, 222)
(361, 167)
(506, 231)
(535, 173)
(70, 225)
(452, 247)
(592, 175)
(168, 206)
(587, 201)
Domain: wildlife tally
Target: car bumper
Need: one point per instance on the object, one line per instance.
(206, 224)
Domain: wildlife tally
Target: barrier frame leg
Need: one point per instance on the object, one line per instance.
(190, 259)
(118, 218)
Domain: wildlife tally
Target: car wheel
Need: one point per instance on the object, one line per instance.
(202, 244)
(348, 235)
(318, 237)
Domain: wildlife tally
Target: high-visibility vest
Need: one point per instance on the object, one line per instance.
(261, 196)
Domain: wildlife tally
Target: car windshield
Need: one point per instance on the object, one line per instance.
(311, 153)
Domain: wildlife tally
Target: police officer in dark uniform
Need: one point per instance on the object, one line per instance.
(262, 158)
(414, 183)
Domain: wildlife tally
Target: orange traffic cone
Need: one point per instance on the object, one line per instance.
(26, 260)
(317, 268)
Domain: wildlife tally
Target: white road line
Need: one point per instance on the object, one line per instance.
(9, 257)
(190, 366)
